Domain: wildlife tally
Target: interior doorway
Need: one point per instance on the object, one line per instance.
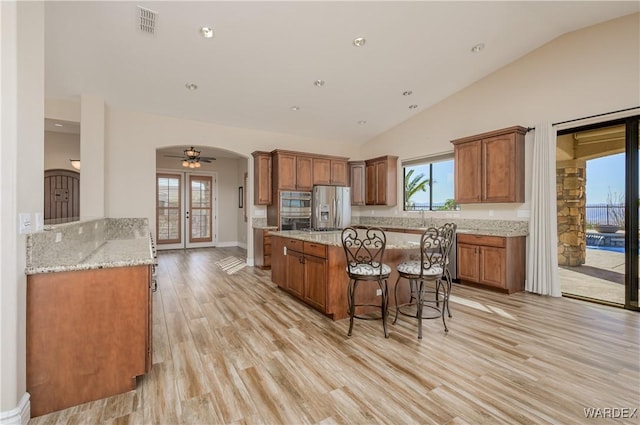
(597, 180)
(61, 196)
(185, 210)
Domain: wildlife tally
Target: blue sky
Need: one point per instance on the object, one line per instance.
(605, 175)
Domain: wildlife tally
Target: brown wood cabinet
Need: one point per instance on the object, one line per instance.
(339, 172)
(316, 274)
(332, 172)
(300, 171)
(357, 182)
(381, 180)
(284, 171)
(493, 261)
(306, 272)
(322, 171)
(88, 335)
(489, 167)
(261, 178)
(262, 248)
(304, 173)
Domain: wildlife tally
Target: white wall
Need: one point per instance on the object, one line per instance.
(132, 138)
(22, 174)
(587, 72)
(242, 225)
(59, 148)
(92, 148)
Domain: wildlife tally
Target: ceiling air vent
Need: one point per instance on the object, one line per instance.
(147, 20)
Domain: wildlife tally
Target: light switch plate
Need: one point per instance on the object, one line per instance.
(25, 223)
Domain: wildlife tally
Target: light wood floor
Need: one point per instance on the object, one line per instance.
(235, 349)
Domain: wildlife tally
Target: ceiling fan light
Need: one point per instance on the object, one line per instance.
(185, 163)
(192, 165)
(197, 165)
(191, 152)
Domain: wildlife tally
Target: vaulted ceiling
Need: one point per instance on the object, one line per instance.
(260, 68)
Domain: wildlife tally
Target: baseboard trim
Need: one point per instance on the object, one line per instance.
(226, 244)
(18, 416)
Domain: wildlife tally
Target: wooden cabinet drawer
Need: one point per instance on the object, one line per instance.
(294, 245)
(315, 249)
(484, 240)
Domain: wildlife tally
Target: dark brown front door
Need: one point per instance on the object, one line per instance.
(61, 196)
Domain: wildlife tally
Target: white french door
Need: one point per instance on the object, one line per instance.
(185, 210)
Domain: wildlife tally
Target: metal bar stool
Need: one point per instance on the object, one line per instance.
(364, 251)
(429, 280)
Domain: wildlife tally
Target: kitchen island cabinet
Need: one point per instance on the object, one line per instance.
(311, 266)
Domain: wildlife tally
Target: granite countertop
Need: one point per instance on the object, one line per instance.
(266, 227)
(506, 232)
(394, 240)
(112, 253)
(90, 245)
(332, 238)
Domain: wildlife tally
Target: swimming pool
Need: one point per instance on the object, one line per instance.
(607, 248)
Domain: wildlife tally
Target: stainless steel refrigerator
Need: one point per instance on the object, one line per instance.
(331, 207)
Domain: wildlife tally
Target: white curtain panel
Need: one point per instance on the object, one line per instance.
(542, 261)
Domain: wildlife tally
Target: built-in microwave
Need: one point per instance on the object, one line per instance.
(295, 210)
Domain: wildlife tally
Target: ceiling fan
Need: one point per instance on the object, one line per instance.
(192, 158)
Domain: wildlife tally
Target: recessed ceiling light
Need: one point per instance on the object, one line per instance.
(359, 42)
(295, 108)
(477, 48)
(414, 106)
(191, 86)
(58, 125)
(362, 122)
(407, 93)
(207, 32)
(318, 83)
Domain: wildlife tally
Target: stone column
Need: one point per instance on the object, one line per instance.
(571, 196)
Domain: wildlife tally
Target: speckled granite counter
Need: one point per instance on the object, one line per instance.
(93, 244)
(265, 227)
(504, 228)
(394, 240)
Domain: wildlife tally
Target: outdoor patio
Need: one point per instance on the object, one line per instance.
(601, 277)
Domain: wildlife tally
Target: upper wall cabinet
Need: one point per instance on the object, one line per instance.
(301, 171)
(489, 167)
(357, 182)
(261, 178)
(339, 172)
(381, 176)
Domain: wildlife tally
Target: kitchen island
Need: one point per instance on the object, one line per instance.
(311, 266)
(89, 311)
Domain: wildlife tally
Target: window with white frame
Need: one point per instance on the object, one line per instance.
(429, 184)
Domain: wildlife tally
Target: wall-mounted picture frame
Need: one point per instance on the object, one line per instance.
(240, 197)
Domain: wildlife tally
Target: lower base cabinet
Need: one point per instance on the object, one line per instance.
(492, 261)
(89, 335)
(262, 248)
(306, 276)
(313, 273)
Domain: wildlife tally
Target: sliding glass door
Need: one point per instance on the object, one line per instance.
(597, 180)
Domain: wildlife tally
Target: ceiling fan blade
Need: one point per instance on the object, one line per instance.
(207, 158)
(174, 156)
